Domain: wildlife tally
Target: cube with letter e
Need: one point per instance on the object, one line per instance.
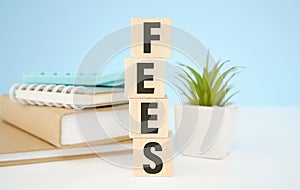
(144, 78)
(149, 118)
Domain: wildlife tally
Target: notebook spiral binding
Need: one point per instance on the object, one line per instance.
(45, 88)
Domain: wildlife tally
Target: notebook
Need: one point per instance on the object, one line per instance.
(19, 147)
(110, 79)
(66, 127)
(76, 97)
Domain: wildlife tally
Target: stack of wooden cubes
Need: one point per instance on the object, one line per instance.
(148, 104)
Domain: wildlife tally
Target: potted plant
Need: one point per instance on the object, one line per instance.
(205, 125)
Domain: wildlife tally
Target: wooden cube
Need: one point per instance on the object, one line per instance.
(153, 157)
(151, 37)
(148, 118)
(144, 78)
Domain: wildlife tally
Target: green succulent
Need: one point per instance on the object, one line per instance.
(209, 87)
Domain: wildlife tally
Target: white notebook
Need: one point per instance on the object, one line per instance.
(94, 126)
(76, 97)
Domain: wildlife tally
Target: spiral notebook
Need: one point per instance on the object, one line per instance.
(76, 97)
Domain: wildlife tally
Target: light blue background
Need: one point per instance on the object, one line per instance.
(263, 36)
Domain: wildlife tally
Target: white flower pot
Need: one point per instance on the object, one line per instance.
(205, 132)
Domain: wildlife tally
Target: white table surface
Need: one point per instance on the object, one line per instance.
(265, 155)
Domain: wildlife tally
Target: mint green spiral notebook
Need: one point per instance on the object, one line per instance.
(111, 79)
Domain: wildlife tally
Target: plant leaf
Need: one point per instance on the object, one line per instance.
(207, 92)
(220, 80)
(215, 71)
(227, 99)
(195, 73)
(190, 99)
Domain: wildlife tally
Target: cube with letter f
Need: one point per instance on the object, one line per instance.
(151, 37)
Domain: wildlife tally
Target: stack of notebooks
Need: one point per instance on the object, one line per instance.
(48, 118)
